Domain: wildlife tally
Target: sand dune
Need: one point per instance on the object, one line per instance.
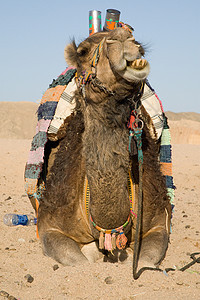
(185, 132)
(184, 127)
(18, 121)
(183, 115)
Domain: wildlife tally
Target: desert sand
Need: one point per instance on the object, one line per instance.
(20, 250)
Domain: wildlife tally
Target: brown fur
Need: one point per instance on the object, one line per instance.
(95, 145)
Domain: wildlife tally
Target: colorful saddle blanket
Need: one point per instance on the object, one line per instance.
(58, 103)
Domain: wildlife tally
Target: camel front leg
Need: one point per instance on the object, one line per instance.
(61, 248)
(154, 242)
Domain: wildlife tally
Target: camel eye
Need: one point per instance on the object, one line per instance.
(83, 48)
(81, 51)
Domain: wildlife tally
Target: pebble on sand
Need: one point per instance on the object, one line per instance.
(29, 278)
(108, 280)
(55, 267)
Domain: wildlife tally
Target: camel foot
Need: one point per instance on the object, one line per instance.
(153, 249)
(63, 249)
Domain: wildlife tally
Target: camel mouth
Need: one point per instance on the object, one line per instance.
(136, 70)
(137, 64)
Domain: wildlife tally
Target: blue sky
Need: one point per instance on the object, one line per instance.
(33, 35)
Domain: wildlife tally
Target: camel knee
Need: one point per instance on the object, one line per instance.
(61, 248)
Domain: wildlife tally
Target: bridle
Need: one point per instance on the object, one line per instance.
(88, 75)
(91, 76)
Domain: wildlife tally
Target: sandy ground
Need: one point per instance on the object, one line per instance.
(21, 254)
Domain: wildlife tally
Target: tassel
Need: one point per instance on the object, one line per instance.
(107, 243)
(101, 240)
(121, 240)
(113, 241)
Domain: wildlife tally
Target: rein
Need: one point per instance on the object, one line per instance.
(135, 126)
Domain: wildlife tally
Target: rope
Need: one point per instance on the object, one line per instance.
(108, 239)
(137, 132)
(135, 126)
(138, 136)
(96, 54)
(115, 230)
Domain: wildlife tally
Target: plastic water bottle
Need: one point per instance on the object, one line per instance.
(14, 220)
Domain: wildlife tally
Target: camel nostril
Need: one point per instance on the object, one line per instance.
(131, 39)
(111, 41)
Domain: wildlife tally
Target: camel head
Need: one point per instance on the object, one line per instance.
(115, 58)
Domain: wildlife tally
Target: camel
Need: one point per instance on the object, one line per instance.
(111, 72)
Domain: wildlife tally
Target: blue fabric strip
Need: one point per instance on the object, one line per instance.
(169, 182)
(47, 110)
(63, 79)
(165, 153)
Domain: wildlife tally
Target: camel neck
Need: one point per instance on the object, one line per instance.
(107, 162)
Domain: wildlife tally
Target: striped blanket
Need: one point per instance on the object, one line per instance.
(58, 103)
(46, 112)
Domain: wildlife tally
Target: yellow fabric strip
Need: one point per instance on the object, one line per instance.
(166, 168)
(53, 94)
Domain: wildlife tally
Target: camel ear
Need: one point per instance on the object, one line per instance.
(70, 54)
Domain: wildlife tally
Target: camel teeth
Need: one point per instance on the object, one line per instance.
(134, 64)
(138, 64)
(144, 63)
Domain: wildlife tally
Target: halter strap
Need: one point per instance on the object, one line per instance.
(97, 53)
(87, 75)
